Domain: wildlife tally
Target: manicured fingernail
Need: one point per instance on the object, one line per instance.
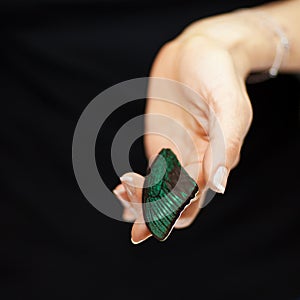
(127, 181)
(119, 190)
(220, 179)
(118, 193)
(135, 243)
(126, 178)
(140, 241)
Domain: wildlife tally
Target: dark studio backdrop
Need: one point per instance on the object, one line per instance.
(56, 56)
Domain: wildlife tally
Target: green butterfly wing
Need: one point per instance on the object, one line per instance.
(167, 190)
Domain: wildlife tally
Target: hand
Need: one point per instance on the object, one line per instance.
(213, 57)
(216, 121)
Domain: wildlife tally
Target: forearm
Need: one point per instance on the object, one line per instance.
(250, 39)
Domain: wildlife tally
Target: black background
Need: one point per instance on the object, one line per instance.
(56, 56)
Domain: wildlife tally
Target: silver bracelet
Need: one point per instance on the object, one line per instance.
(281, 50)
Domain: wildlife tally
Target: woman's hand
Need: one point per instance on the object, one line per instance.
(220, 115)
(211, 57)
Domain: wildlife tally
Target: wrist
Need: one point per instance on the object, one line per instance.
(268, 50)
(251, 44)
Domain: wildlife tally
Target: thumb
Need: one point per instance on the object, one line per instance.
(133, 184)
(229, 122)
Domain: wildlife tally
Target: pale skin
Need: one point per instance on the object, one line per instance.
(213, 56)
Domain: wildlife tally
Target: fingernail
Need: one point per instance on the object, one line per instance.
(126, 178)
(119, 190)
(220, 179)
(135, 243)
(140, 241)
(127, 181)
(118, 193)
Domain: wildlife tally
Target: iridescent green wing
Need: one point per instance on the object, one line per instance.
(168, 188)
